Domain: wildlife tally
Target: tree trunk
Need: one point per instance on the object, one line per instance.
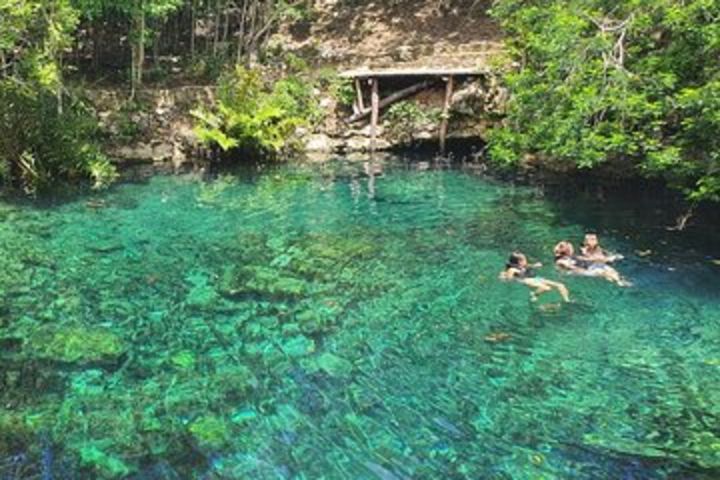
(241, 33)
(138, 49)
(156, 46)
(141, 47)
(95, 34)
(250, 45)
(226, 26)
(59, 88)
(216, 26)
(193, 8)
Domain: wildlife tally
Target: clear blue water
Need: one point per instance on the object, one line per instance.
(312, 322)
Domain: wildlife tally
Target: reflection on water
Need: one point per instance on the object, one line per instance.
(344, 321)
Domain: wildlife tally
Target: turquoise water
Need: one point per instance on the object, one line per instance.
(312, 322)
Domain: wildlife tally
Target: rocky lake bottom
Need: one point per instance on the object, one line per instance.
(344, 321)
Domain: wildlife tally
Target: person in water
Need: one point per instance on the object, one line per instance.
(593, 252)
(517, 268)
(565, 259)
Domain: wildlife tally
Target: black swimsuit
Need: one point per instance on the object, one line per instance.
(523, 272)
(576, 262)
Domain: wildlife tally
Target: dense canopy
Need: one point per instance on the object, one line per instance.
(632, 83)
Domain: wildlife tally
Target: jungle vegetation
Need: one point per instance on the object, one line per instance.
(631, 85)
(44, 42)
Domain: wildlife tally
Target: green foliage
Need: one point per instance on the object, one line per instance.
(405, 118)
(631, 84)
(46, 145)
(343, 89)
(53, 132)
(254, 115)
(206, 68)
(32, 36)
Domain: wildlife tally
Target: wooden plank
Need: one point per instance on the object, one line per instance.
(359, 93)
(410, 72)
(390, 99)
(375, 100)
(446, 113)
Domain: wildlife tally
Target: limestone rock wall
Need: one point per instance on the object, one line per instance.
(157, 128)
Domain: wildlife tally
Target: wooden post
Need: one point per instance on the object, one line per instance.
(446, 113)
(359, 102)
(375, 98)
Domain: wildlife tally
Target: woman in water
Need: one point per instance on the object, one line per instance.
(517, 268)
(593, 252)
(565, 259)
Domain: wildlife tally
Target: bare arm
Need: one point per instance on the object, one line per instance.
(508, 274)
(569, 265)
(601, 256)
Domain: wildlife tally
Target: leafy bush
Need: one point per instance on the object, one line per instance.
(405, 118)
(344, 92)
(251, 114)
(46, 145)
(627, 83)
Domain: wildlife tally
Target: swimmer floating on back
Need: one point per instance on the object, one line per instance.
(518, 269)
(565, 259)
(593, 252)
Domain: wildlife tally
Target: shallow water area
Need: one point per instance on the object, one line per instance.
(343, 320)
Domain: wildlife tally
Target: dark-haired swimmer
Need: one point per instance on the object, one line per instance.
(565, 259)
(517, 268)
(593, 252)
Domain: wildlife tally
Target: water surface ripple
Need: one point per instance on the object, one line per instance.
(312, 322)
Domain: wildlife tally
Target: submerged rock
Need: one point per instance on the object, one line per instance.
(202, 297)
(334, 365)
(210, 431)
(15, 436)
(104, 464)
(299, 346)
(77, 345)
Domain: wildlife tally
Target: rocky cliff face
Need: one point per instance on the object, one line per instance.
(157, 128)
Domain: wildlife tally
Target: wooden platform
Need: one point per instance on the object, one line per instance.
(413, 72)
(425, 77)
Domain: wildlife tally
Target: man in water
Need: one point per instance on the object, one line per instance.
(593, 252)
(565, 259)
(517, 268)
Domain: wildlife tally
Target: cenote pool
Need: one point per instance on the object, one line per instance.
(316, 322)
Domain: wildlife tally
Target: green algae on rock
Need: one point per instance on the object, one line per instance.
(76, 344)
(210, 432)
(334, 365)
(104, 465)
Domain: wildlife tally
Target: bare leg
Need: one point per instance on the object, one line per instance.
(562, 289)
(539, 290)
(613, 276)
(541, 286)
